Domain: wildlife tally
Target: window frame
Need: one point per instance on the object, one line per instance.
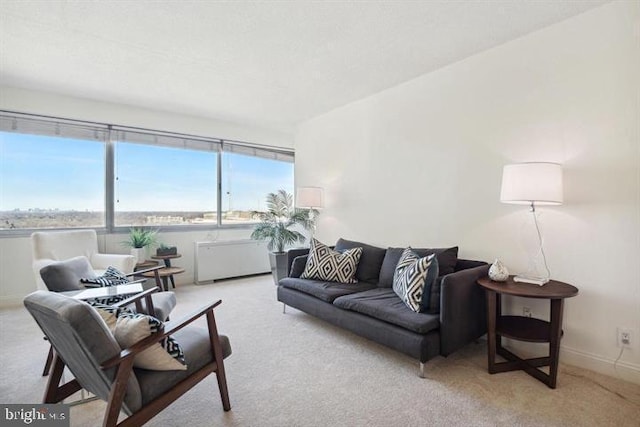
(277, 153)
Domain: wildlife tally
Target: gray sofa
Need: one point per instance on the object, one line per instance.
(370, 308)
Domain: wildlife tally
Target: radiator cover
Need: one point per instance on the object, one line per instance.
(223, 259)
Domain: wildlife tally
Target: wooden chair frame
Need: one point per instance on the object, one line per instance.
(124, 369)
(49, 361)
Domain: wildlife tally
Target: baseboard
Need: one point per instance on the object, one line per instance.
(623, 370)
(11, 301)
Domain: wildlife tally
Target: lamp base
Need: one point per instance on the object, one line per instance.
(533, 280)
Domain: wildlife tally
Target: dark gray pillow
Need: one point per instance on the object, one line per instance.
(65, 275)
(370, 260)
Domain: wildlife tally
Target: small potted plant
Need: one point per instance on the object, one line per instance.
(275, 227)
(139, 240)
(164, 250)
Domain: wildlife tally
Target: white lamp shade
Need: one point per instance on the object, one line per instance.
(309, 197)
(526, 183)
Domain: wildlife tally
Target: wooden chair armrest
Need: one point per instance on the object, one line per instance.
(135, 298)
(174, 326)
(167, 330)
(146, 270)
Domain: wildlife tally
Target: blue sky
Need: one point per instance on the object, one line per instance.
(49, 172)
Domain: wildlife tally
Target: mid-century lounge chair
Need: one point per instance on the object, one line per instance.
(60, 276)
(85, 345)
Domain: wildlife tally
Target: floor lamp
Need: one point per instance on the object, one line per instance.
(533, 184)
(311, 198)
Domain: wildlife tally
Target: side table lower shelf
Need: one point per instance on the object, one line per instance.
(523, 328)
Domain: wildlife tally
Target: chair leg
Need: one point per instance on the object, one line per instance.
(47, 364)
(284, 308)
(222, 386)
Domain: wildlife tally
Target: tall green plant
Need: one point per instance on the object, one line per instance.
(275, 224)
(141, 238)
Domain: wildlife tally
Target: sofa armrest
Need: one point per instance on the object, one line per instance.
(463, 264)
(297, 267)
(292, 254)
(463, 313)
(124, 263)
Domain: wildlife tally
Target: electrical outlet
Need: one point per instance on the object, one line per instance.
(624, 338)
(526, 311)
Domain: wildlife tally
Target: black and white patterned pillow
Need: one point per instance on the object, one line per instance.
(410, 278)
(323, 263)
(129, 327)
(111, 277)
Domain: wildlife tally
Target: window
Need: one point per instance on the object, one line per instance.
(58, 173)
(53, 175)
(164, 180)
(249, 174)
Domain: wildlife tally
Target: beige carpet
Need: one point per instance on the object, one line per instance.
(295, 370)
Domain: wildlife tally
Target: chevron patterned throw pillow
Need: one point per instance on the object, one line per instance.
(410, 278)
(324, 263)
(128, 328)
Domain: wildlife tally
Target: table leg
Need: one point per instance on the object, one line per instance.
(167, 263)
(555, 333)
(491, 330)
(165, 283)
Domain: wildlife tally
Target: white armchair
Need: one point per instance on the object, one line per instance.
(49, 247)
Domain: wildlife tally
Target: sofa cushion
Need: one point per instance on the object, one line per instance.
(383, 304)
(370, 260)
(323, 263)
(447, 259)
(410, 279)
(326, 291)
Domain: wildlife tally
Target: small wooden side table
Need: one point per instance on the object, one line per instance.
(525, 328)
(165, 274)
(167, 263)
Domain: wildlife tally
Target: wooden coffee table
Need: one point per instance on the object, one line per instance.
(525, 328)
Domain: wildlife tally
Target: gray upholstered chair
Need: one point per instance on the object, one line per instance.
(60, 276)
(84, 344)
(65, 275)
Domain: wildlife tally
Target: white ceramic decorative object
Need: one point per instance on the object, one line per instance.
(498, 271)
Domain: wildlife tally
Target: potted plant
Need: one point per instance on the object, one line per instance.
(164, 250)
(276, 225)
(139, 240)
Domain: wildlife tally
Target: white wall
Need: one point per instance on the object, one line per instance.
(420, 164)
(16, 277)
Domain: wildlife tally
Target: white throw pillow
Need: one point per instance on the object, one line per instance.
(128, 328)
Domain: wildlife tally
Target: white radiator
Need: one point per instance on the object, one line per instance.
(223, 259)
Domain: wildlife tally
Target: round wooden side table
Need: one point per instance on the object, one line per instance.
(169, 271)
(525, 328)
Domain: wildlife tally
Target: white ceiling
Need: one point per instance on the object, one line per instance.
(270, 64)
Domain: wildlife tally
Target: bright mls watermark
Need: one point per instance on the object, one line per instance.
(39, 415)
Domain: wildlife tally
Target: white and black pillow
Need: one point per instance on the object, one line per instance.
(410, 278)
(128, 328)
(111, 277)
(323, 263)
